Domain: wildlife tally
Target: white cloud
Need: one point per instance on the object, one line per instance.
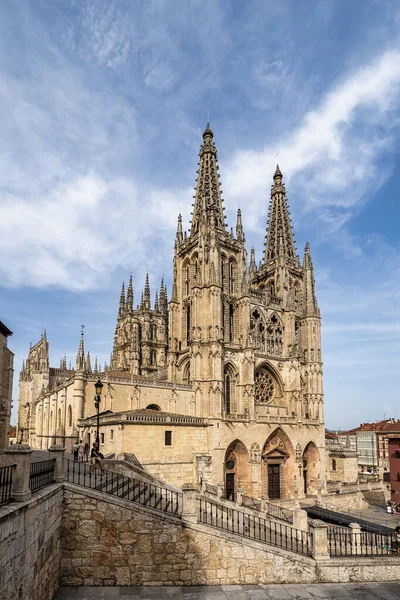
(80, 230)
(332, 158)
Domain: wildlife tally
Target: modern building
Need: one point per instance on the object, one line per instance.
(371, 442)
(394, 465)
(223, 383)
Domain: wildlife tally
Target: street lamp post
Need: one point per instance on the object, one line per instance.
(97, 399)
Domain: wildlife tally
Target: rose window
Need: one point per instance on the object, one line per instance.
(264, 387)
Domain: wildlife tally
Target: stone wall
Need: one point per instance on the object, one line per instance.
(30, 546)
(344, 501)
(110, 542)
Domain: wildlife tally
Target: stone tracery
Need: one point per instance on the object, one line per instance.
(264, 386)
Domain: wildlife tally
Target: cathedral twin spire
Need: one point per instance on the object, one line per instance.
(279, 238)
(208, 207)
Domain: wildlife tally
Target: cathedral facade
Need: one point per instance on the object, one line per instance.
(223, 382)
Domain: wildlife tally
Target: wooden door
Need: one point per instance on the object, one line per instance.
(305, 480)
(274, 483)
(230, 486)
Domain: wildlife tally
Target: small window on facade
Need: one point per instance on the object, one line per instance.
(102, 438)
(168, 438)
(333, 465)
(188, 323)
(111, 434)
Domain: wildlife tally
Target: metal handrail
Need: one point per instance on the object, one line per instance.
(254, 527)
(122, 486)
(6, 474)
(41, 474)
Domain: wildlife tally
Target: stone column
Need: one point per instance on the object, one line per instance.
(300, 519)
(239, 496)
(319, 539)
(57, 452)
(355, 538)
(189, 502)
(20, 456)
(220, 491)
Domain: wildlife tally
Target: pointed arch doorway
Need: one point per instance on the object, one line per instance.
(277, 466)
(236, 470)
(311, 469)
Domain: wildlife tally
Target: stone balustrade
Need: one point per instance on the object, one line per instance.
(19, 457)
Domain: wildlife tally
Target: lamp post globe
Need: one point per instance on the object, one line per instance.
(97, 399)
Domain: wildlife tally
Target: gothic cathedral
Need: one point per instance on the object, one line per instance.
(223, 383)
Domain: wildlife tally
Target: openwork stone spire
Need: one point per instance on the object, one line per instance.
(279, 238)
(310, 300)
(208, 200)
(80, 357)
(129, 296)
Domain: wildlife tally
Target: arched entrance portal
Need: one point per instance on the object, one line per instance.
(310, 469)
(277, 466)
(236, 470)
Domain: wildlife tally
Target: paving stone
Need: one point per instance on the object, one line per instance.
(392, 586)
(338, 591)
(298, 593)
(98, 592)
(66, 593)
(259, 594)
(152, 592)
(333, 591)
(278, 592)
(130, 591)
(317, 591)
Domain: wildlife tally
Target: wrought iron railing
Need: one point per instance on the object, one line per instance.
(6, 474)
(344, 542)
(254, 527)
(41, 474)
(279, 512)
(124, 487)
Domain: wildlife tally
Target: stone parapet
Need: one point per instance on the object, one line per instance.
(19, 456)
(57, 452)
(30, 546)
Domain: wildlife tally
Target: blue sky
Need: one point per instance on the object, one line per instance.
(103, 104)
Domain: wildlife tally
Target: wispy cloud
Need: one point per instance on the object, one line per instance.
(333, 158)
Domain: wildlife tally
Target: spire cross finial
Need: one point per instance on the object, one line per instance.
(82, 328)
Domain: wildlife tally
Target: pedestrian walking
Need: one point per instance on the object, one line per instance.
(86, 452)
(75, 450)
(81, 451)
(96, 457)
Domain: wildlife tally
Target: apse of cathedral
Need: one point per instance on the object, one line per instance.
(220, 383)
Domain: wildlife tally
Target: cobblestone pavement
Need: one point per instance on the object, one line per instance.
(328, 591)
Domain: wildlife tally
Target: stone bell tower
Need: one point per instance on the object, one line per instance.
(209, 267)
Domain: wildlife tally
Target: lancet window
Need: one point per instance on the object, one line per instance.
(186, 373)
(257, 330)
(274, 336)
(188, 323)
(152, 357)
(229, 389)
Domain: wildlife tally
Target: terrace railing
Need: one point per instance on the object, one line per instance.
(6, 474)
(279, 512)
(254, 527)
(125, 487)
(41, 474)
(344, 542)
